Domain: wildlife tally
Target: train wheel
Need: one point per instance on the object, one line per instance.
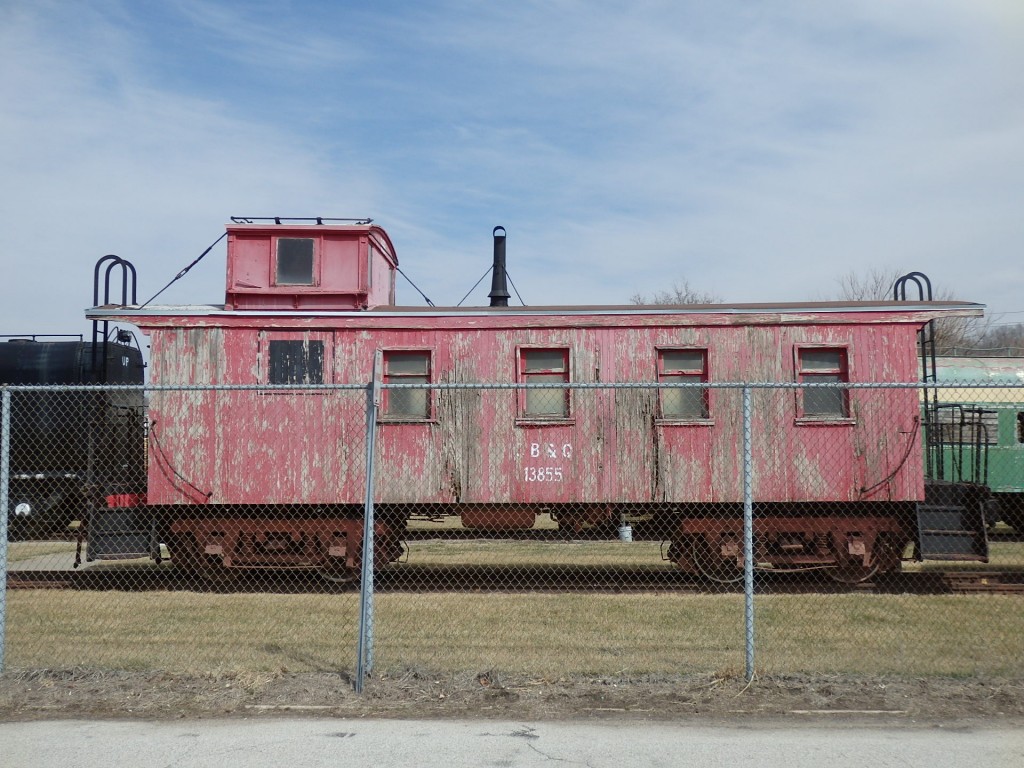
(885, 557)
(852, 574)
(184, 552)
(199, 567)
(337, 575)
(711, 565)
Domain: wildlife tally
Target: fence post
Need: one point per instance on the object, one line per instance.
(748, 535)
(5, 481)
(364, 664)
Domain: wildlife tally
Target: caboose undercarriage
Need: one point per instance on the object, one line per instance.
(331, 541)
(222, 538)
(849, 547)
(848, 542)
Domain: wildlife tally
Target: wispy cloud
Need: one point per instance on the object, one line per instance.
(757, 151)
(99, 158)
(271, 36)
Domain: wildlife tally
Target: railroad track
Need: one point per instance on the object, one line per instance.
(424, 579)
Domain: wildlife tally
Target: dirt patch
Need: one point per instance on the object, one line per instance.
(82, 693)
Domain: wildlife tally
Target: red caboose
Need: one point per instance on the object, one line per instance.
(276, 477)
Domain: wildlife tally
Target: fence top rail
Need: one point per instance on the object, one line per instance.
(946, 385)
(709, 385)
(145, 388)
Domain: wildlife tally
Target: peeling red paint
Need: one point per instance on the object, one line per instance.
(307, 447)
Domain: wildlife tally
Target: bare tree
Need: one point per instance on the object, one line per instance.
(873, 286)
(951, 333)
(681, 293)
(999, 341)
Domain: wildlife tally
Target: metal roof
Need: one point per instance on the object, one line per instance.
(788, 308)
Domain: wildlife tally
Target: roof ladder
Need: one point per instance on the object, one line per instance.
(99, 338)
(926, 344)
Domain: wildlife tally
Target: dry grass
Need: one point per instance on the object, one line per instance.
(547, 635)
(543, 522)
(181, 631)
(910, 635)
(553, 635)
(60, 555)
(1001, 554)
(530, 553)
(23, 551)
(635, 554)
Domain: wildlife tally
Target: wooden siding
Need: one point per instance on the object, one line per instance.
(289, 447)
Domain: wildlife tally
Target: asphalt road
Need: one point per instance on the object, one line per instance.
(312, 743)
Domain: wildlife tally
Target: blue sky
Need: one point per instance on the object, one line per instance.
(757, 150)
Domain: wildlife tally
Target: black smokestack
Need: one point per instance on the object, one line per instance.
(499, 287)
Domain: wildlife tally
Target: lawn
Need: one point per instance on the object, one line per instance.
(537, 634)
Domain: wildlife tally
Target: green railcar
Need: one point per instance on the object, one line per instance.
(980, 430)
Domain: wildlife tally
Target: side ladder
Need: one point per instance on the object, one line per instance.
(951, 519)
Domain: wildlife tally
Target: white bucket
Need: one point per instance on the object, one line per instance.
(625, 532)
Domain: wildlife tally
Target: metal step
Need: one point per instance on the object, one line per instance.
(951, 523)
(120, 534)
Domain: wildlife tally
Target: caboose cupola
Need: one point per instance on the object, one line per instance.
(309, 264)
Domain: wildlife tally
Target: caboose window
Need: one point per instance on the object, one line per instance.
(544, 366)
(294, 261)
(406, 368)
(296, 362)
(817, 365)
(683, 366)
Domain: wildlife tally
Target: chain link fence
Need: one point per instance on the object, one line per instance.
(545, 528)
